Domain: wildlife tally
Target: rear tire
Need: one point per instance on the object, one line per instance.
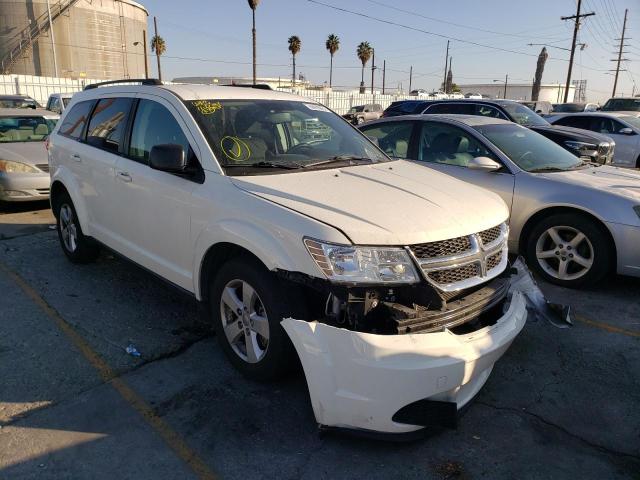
(247, 304)
(570, 250)
(76, 246)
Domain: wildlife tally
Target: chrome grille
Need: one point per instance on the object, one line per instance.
(43, 166)
(463, 262)
(444, 248)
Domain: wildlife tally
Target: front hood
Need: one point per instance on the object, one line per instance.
(394, 203)
(575, 133)
(623, 182)
(31, 153)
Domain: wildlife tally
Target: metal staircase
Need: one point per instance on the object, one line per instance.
(22, 42)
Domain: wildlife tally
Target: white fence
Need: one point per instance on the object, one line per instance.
(41, 87)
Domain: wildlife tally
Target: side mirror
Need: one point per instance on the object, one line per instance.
(168, 158)
(626, 131)
(484, 163)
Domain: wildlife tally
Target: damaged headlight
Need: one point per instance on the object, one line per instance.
(346, 263)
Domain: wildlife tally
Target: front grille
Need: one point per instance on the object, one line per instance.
(444, 248)
(494, 260)
(43, 166)
(490, 235)
(454, 275)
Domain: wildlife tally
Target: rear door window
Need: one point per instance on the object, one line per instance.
(575, 121)
(108, 123)
(393, 137)
(489, 111)
(75, 120)
(452, 108)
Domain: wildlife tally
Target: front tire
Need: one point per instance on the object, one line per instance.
(570, 250)
(247, 305)
(76, 246)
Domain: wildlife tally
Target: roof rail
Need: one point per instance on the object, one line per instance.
(259, 86)
(142, 81)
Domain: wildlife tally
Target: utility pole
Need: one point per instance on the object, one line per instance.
(446, 64)
(384, 73)
(506, 81)
(576, 27)
(53, 40)
(373, 67)
(620, 52)
(155, 29)
(144, 49)
(410, 77)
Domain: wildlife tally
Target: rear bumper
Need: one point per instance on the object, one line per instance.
(627, 240)
(16, 187)
(360, 380)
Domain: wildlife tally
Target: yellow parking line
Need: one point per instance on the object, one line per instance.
(606, 326)
(170, 436)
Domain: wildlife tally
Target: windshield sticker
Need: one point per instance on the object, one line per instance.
(316, 107)
(207, 107)
(235, 149)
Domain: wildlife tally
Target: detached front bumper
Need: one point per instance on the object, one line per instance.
(361, 380)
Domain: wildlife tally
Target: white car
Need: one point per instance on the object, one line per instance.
(388, 279)
(58, 102)
(622, 127)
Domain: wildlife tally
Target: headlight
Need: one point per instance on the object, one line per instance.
(637, 210)
(7, 166)
(580, 146)
(346, 263)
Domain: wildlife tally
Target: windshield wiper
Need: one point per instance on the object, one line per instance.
(284, 166)
(547, 169)
(341, 159)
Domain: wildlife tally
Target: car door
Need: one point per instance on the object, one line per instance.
(154, 207)
(626, 151)
(448, 148)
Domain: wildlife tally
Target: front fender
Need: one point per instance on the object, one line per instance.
(64, 176)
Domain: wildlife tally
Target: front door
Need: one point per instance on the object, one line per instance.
(626, 151)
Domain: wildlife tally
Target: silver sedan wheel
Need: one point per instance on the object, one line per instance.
(564, 253)
(244, 321)
(68, 228)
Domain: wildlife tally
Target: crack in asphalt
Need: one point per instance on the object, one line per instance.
(591, 444)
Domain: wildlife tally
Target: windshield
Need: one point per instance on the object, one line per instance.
(523, 115)
(569, 108)
(633, 121)
(25, 129)
(529, 150)
(622, 104)
(247, 135)
(66, 100)
(18, 103)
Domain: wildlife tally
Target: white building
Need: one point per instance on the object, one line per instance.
(551, 92)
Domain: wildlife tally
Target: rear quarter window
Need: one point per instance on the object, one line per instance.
(75, 120)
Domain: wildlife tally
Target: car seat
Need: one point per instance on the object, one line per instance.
(450, 149)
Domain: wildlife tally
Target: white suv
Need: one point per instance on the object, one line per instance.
(298, 235)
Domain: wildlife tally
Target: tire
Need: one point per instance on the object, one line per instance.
(359, 121)
(76, 246)
(556, 243)
(271, 354)
(638, 162)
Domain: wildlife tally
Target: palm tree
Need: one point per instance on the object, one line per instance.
(294, 47)
(364, 52)
(253, 4)
(537, 80)
(159, 47)
(332, 44)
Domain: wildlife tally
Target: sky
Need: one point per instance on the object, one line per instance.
(213, 38)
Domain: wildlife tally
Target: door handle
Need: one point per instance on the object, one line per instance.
(76, 157)
(124, 176)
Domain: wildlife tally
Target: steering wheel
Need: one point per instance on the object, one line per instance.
(301, 148)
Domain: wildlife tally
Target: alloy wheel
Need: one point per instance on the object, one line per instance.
(68, 228)
(564, 252)
(244, 321)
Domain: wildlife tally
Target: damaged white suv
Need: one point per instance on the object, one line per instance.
(389, 280)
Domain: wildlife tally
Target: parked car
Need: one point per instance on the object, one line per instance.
(58, 101)
(363, 113)
(626, 104)
(582, 143)
(372, 269)
(574, 222)
(624, 129)
(23, 157)
(540, 106)
(575, 107)
(18, 101)
(405, 107)
(473, 96)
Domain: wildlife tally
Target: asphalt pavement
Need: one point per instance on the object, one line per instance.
(561, 403)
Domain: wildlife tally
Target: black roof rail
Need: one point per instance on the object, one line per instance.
(142, 81)
(259, 86)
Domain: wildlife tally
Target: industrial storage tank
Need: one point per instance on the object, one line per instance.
(102, 39)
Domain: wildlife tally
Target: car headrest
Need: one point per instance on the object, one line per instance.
(463, 144)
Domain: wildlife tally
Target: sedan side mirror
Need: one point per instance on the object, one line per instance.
(484, 163)
(626, 131)
(168, 157)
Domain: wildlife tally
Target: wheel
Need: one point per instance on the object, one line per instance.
(247, 305)
(359, 120)
(569, 250)
(77, 247)
(638, 162)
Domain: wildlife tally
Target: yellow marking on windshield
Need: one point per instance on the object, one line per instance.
(235, 149)
(207, 107)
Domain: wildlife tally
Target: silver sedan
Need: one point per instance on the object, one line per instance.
(573, 221)
(24, 167)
